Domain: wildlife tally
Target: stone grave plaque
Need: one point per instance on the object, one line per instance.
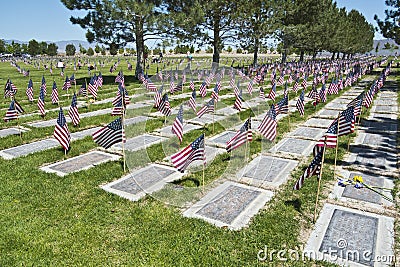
(227, 205)
(11, 131)
(337, 106)
(270, 170)
(365, 194)
(137, 105)
(374, 160)
(384, 109)
(230, 204)
(386, 102)
(206, 118)
(135, 120)
(82, 162)
(328, 113)
(23, 150)
(48, 123)
(350, 232)
(167, 131)
(318, 123)
(84, 133)
(307, 133)
(381, 125)
(226, 111)
(293, 146)
(143, 179)
(222, 139)
(95, 113)
(139, 142)
(380, 140)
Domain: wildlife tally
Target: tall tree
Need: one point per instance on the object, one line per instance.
(205, 22)
(52, 49)
(119, 22)
(2, 46)
(390, 27)
(256, 24)
(70, 50)
(33, 47)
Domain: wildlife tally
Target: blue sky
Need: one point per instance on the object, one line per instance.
(48, 20)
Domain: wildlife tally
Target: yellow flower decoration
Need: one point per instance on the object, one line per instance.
(358, 179)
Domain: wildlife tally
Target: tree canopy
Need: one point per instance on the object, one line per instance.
(390, 27)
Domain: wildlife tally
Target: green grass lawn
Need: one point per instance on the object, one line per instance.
(46, 220)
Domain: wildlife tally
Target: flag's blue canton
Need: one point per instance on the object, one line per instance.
(115, 125)
(199, 142)
(61, 118)
(348, 114)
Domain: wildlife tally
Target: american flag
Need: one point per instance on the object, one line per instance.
(100, 80)
(355, 101)
(44, 85)
(73, 111)
(282, 106)
(333, 87)
(122, 94)
(18, 107)
(83, 90)
(281, 79)
(67, 84)
(41, 102)
(322, 93)
(61, 132)
(29, 90)
(232, 83)
(300, 103)
(203, 89)
(10, 89)
(178, 87)
(313, 169)
(262, 94)
(54, 94)
(158, 97)
(250, 87)
(304, 83)
(72, 79)
(207, 108)
(11, 113)
(109, 135)
(151, 86)
(214, 93)
(330, 137)
(242, 136)
(368, 98)
(177, 127)
(237, 89)
(118, 108)
(272, 93)
(191, 85)
(192, 101)
(268, 125)
(120, 77)
(171, 85)
(346, 121)
(296, 85)
(194, 151)
(238, 101)
(92, 87)
(165, 107)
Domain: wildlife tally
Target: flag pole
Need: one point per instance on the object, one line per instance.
(319, 181)
(123, 130)
(288, 110)
(204, 163)
(337, 145)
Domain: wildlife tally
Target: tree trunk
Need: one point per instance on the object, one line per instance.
(255, 55)
(284, 56)
(333, 56)
(217, 40)
(139, 45)
(344, 56)
(314, 56)
(337, 56)
(301, 56)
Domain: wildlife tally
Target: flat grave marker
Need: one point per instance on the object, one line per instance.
(143, 181)
(293, 146)
(187, 127)
(12, 131)
(79, 163)
(230, 205)
(318, 123)
(139, 142)
(307, 133)
(26, 149)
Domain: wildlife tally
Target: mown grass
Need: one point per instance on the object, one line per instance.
(46, 220)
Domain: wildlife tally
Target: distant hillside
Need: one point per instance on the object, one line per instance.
(381, 47)
(61, 44)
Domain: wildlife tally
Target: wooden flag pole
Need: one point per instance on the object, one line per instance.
(213, 121)
(288, 112)
(123, 143)
(319, 181)
(337, 145)
(204, 163)
(245, 152)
